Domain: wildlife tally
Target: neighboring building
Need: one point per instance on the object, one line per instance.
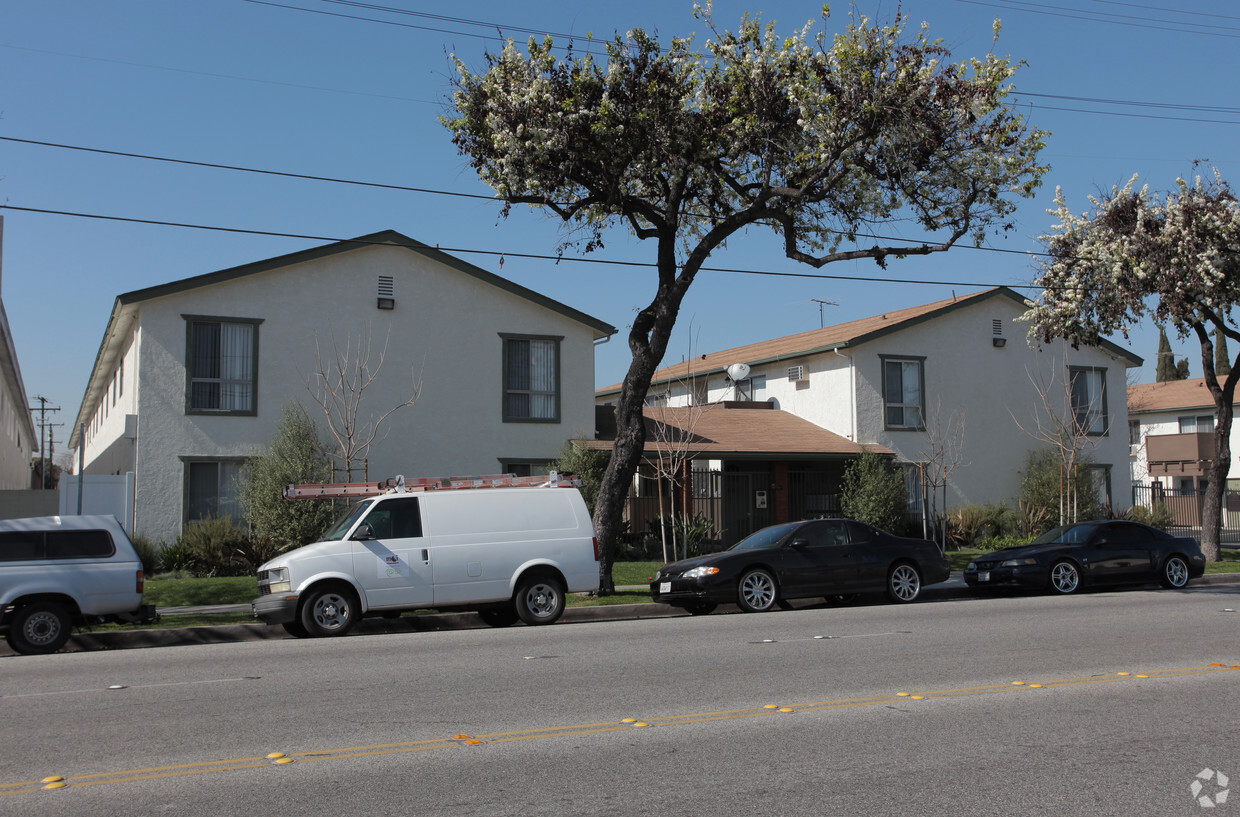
(1171, 432)
(18, 439)
(192, 376)
(898, 379)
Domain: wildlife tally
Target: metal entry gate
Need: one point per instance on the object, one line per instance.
(736, 503)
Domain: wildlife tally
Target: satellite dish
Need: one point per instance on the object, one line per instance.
(738, 371)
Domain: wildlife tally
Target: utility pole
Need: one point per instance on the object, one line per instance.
(43, 409)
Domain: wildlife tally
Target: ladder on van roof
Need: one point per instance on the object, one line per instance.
(400, 484)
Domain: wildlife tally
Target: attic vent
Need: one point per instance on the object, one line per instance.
(387, 292)
(796, 373)
(997, 325)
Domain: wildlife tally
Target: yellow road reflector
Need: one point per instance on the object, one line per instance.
(771, 706)
(903, 694)
(275, 755)
(917, 697)
(1123, 673)
(629, 720)
(640, 723)
(1018, 683)
(786, 709)
(52, 779)
(461, 737)
(284, 760)
(1035, 686)
(57, 785)
(473, 742)
(1143, 676)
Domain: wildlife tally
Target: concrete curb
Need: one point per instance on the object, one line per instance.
(953, 588)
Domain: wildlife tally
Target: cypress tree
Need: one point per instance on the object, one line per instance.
(1165, 369)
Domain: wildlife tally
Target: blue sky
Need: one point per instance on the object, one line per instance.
(304, 86)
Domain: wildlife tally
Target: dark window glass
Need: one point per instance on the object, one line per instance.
(21, 546)
(79, 544)
(396, 519)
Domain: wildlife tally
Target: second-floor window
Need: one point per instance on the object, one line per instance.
(1089, 399)
(222, 365)
(1199, 424)
(903, 393)
(531, 379)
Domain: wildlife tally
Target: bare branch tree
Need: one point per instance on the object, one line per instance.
(944, 453)
(338, 385)
(1067, 424)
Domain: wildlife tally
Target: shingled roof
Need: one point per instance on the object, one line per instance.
(1174, 395)
(733, 430)
(840, 336)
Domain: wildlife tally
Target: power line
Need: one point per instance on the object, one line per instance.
(542, 257)
(1100, 17)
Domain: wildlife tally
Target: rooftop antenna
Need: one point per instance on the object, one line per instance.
(821, 304)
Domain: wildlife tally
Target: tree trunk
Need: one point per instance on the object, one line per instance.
(1212, 507)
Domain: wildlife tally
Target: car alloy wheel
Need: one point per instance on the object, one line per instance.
(1174, 572)
(903, 583)
(1065, 577)
(756, 591)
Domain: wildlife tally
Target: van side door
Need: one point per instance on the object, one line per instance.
(392, 564)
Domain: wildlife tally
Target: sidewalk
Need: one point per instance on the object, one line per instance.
(951, 590)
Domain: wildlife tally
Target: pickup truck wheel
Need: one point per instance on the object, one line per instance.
(39, 628)
(329, 611)
(295, 629)
(540, 600)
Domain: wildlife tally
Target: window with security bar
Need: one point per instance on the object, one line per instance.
(531, 379)
(222, 365)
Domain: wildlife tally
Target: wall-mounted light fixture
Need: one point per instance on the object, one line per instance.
(999, 343)
(387, 303)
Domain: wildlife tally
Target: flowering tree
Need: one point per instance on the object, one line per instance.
(820, 139)
(1138, 255)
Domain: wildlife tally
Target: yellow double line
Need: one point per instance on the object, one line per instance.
(276, 759)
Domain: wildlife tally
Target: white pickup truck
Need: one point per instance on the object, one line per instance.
(58, 572)
(508, 553)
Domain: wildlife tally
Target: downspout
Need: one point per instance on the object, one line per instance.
(852, 395)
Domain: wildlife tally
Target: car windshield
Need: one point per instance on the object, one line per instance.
(341, 526)
(1067, 534)
(766, 538)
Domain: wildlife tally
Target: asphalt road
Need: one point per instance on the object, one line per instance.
(1104, 703)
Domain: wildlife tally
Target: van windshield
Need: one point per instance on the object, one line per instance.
(341, 526)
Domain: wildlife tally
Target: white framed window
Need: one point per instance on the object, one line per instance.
(1197, 424)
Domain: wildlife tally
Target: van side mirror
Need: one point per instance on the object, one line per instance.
(362, 533)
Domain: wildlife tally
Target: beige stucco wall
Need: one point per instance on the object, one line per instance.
(444, 331)
(997, 390)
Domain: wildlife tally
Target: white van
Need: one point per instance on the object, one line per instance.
(508, 553)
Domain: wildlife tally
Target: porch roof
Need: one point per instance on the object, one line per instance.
(732, 430)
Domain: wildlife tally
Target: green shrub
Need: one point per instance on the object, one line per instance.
(1043, 486)
(688, 532)
(148, 552)
(587, 463)
(214, 547)
(1159, 516)
(293, 457)
(1007, 540)
(968, 525)
(873, 492)
(176, 558)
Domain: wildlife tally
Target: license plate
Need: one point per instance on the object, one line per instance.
(983, 576)
(665, 587)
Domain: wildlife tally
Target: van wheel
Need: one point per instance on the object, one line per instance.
(540, 600)
(500, 616)
(39, 628)
(329, 611)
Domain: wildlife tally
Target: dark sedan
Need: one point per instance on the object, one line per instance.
(825, 557)
(1070, 557)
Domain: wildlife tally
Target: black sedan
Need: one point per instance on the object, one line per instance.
(1070, 557)
(825, 557)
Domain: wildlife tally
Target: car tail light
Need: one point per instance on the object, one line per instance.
(141, 581)
(595, 540)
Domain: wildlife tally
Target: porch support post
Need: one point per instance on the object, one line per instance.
(781, 509)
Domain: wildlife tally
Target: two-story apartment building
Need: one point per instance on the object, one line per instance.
(192, 376)
(908, 380)
(18, 438)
